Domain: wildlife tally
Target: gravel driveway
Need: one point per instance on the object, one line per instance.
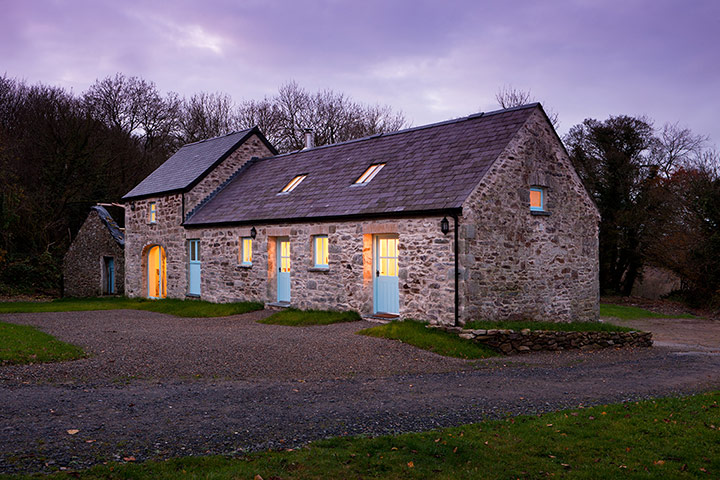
(159, 386)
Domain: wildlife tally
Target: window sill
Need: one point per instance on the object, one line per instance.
(192, 295)
(319, 269)
(540, 213)
(245, 265)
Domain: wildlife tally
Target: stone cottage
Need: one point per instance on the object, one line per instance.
(95, 262)
(481, 217)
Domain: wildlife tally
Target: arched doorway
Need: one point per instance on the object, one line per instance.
(157, 272)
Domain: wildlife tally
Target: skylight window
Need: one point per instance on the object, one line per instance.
(369, 174)
(293, 183)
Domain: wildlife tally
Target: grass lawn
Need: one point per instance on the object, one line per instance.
(666, 438)
(25, 344)
(629, 313)
(443, 343)
(558, 327)
(301, 318)
(180, 308)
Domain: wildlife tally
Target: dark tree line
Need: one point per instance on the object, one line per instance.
(61, 153)
(658, 192)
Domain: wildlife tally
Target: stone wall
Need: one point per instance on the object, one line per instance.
(518, 264)
(425, 266)
(141, 235)
(84, 262)
(511, 342)
(252, 147)
(167, 231)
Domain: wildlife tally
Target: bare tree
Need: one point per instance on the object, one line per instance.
(334, 117)
(207, 115)
(509, 97)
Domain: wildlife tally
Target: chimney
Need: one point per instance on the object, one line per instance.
(309, 138)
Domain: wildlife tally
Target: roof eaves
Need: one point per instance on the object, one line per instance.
(354, 216)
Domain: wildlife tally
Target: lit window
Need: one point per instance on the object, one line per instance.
(370, 173)
(537, 199)
(152, 215)
(245, 254)
(293, 183)
(321, 251)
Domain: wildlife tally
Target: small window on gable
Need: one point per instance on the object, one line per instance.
(320, 251)
(369, 174)
(537, 199)
(293, 183)
(245, 254)
(152, 214)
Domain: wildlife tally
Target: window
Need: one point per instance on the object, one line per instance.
(152, 214)
(245, 254)
(537, 199)
(293, 183)
(320, 251)
(194, 250)
(369, 174)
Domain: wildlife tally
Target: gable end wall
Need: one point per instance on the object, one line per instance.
(252, 147)
(517, 265)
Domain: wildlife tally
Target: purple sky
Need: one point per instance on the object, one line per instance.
(433, 60)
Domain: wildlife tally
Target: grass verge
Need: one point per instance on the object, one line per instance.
(625, 312)
(665, 438)
(557, 327)
(180, 308)
(24, 344)
(301, 318)
(443, 343)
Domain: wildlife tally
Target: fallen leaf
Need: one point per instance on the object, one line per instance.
(89, 441)
(258, 477)
(437, 440)
(549, 425)
(659, 462)
(72, 431)
(455, 450)
(393, 448)
(129, 459)
(411, 465)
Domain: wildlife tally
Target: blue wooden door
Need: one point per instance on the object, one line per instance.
(283, 277)
(110, 274)
(386, 290)
(194, 267)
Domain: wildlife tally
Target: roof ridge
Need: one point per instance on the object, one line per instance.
(413, 129)
(245, 131)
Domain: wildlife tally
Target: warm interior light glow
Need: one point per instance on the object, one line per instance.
(536, 199)
(285, 256)
(153, 212)
(388, 257)
(246, 251)
(321, 251)
(293, 183)
(370, 173)
(157, 268)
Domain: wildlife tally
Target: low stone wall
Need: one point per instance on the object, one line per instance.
(511, 342)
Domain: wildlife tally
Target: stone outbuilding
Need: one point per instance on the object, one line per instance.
(95, 262)
(482, 217)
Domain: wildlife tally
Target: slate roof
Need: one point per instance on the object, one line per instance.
(111, 225)
(429, 168)
(191, 163)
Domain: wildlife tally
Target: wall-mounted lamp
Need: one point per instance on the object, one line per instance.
(132, 206)
(253, 232)
(444, 226)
